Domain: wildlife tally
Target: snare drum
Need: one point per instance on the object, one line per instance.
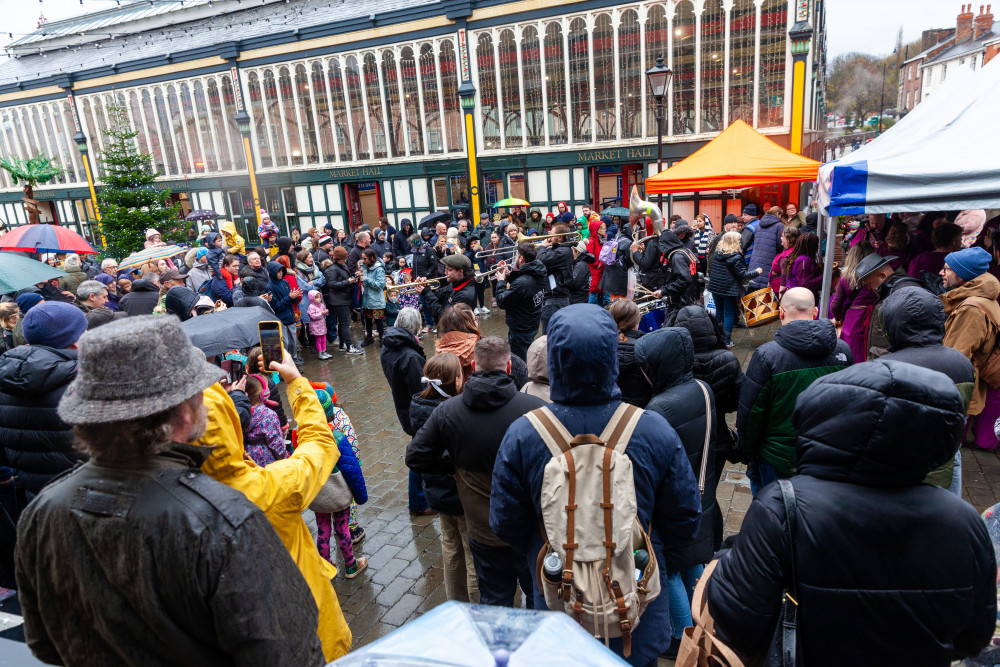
(760, 307)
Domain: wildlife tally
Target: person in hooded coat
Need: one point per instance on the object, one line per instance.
(381, 244)
(632, 382)
(888, 570)
(585, 396)
(766, 245)
(914, 324)
(598, 231)
(519, 295)
(283, 301)
(401, 240)
(666, 356)
(579, 287)
(717, 366)
(538, 369)
(143, 298)
(74, 274)
(676, 280)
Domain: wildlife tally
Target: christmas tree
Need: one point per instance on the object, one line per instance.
(128, 201)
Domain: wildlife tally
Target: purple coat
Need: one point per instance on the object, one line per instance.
(855, 315)
(931, 261)
(805, 273)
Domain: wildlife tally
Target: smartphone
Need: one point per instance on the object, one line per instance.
(236, 371)
(227, 366)
(270, 342)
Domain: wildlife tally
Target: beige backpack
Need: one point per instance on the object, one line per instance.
(589, 518)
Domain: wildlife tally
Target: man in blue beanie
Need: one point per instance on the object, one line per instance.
(972, 328)
(25, 302)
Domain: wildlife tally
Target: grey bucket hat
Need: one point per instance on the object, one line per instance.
(134, 368)
(871, 264)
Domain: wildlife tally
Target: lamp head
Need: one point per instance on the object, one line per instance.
(659, 78)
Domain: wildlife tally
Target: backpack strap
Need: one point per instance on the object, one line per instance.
(620, 427)
(708, 435)
(553, 433)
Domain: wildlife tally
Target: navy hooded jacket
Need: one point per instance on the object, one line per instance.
(585, 394)
(281, 302)
(766, 246)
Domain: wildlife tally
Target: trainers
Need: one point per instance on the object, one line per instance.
(484, 310)
(355, 350)
(357, 534)
(425, 330)
(299, 361)
(730, 344)
(360, 565)
(367, 341)
(324, 356)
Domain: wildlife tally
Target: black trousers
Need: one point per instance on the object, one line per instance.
(549, 309)
(520, 341)
(499, 570)
(343, 314)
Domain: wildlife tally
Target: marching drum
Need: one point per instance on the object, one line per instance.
(760, 307)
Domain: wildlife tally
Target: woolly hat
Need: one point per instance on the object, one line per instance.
(968, 263)
(54, 324)
(750, 209)
(339, 253)
(549, 216)
(152, 232)
(326, 402)
(133, 368)
(581, 247)
(325, 239)
(180, 301)
(27, 301)
(201, 252)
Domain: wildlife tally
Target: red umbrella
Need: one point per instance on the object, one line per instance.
(45, 238)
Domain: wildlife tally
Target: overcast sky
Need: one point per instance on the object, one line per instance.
(854, 25)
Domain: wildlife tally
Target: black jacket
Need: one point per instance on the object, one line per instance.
(728, 273)
(713, 363)
(401, 240)
(614, 280)
(338, 289)
(667, 356)
(679, 274)
(154, 564)
(579, 287)
(425, 263)
(402, 360)
(470, 427)
(878, 342)
(633, 384)
(441, 491)
(450, 294)
(521, 298)
(33, 439)
(558, 263)
(318, 256)
(879, 556)
(141, 300)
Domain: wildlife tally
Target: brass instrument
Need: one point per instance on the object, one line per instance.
(502, 251)
(480, 277)
(411, 288)
(572, 238)
(639, 209)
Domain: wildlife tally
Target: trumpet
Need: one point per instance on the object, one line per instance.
(480, 277)
(502, 251)
(572, 238)
(411, 288)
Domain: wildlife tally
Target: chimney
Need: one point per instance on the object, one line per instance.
(983, 23)
(963, 26)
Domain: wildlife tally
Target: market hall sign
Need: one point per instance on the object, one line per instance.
(612, 154)
(356, 173)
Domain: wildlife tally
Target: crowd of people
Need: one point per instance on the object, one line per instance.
(573, 470)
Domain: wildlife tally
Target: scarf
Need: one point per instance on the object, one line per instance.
(460, 344)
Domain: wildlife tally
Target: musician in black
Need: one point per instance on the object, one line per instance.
(557, 257)
(519, 294)
(671, 269)
(459, 287)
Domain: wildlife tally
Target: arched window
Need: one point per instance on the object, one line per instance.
(684, 67)
(272, 107)
(449, 91)
(773, 31)
(411, 101)
(289, 110)
(507, 52)
(149, 118)
(713, 64)
(163, 121)
(353, 75)
(191, 129)
(555, 83)
(225, 123)
(390, 82)
(579, 77)
(375, 118)
(341, 117)
(656, 45)
(604, 78)
(178, 129)
(630, 67)
(204, 127)
(261, 119)
(323, 113)
(486, 64)
(310, 149)
(68, 129)
(432, 104)
(742, 21)
(531, 68)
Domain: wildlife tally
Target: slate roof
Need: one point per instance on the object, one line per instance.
(967, 46)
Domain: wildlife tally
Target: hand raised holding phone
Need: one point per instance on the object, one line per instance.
(286, 368)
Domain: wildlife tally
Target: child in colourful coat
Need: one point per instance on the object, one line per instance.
(317, 313)
(262, 440)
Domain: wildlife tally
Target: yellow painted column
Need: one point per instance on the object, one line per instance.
(470, 146)
(253, 178)
(93, 199)
(798, 104)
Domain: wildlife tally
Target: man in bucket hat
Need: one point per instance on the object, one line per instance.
(876, 273)
(137, 553)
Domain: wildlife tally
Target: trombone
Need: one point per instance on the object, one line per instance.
(480, 277)
(572, 238)
(411, 288)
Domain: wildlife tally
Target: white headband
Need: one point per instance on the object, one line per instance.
(436, 384)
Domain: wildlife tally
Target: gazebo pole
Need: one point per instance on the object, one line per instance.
(831, 247)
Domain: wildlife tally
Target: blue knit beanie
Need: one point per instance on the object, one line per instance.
(27, 301)
(968, 263)
(750, 209)
(54, 324)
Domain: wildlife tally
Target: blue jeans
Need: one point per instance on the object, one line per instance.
(761, 473)
(417, 501)
(680, 589)
(426, 310)
(725, 312)
(599, 298)
(520, 341)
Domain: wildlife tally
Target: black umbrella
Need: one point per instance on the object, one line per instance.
(230, 329)
(203, 214)
(435, 217)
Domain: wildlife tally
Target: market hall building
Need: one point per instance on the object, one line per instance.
(356, 108)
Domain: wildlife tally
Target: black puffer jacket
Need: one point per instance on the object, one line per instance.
(614, 280)
(338, 289)
(401, 239)
(558, 263)
(141, 300)
(677, 275)
(579, 289)
(402, 360)
(728, 272)
(33, 439)
(667, 355)
(879, 556)
(440, 490)
(633, 384)
(522, 300)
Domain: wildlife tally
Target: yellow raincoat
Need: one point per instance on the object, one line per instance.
(232, 239)
(283, 490)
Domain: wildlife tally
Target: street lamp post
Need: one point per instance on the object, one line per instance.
(243, 121)
(80, 139)
(467, 97)
(881, 102)
(659, 82)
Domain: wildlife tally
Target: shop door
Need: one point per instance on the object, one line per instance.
(606, 187)
(632, 175)
(353, 206)
(370, 202)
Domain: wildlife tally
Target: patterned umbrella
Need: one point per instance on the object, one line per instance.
(45, 238)
(511, 201)
(203, 214)
(151, 255)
